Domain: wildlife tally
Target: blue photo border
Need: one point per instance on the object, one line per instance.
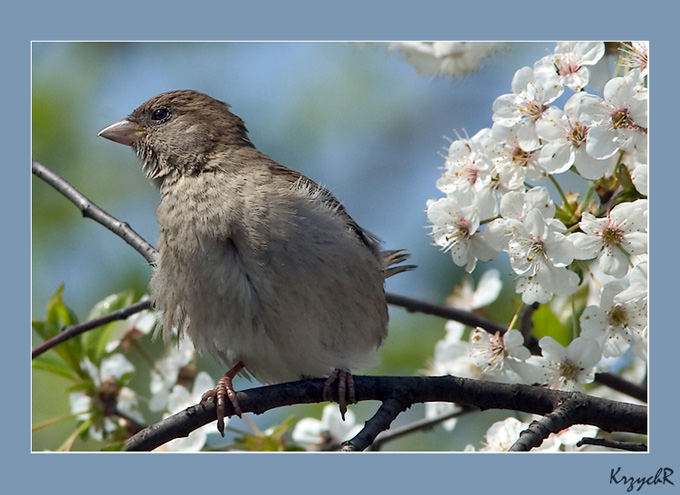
(348, 20)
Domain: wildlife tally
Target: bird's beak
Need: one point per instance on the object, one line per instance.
(123, 132)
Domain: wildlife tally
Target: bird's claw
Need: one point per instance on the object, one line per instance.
(345, 388)
(220, 393)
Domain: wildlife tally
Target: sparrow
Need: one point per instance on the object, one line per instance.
(260, 266)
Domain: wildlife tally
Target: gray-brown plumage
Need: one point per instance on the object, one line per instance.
(259, 265)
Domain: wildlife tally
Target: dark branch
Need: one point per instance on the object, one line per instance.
(381, 421)
(74, 330)
(613, 444)
(605, 414)
(526, 322)
(564, 416)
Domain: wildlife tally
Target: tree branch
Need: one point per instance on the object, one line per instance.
(561, 418)
(526, 322)
(381, 421)
(74, 330)
(91, 210)
(450, 313)
(620, 384)
(605, 414)
(613, 444)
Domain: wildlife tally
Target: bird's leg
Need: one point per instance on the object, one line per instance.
(345, 389)
(220, 393)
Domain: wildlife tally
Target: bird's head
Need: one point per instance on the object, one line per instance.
(177, 133)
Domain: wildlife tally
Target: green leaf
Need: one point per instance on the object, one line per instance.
(78, 432)
(111, 303)
(53, 363)
(263, 441)
(86, 385)
(546, 324)
(58, 316)
(95, 341)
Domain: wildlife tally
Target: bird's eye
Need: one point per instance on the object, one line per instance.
(161, 113)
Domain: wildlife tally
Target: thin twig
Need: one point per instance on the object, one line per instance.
(614, 444)
(444, 311)
(620, 384)
(91, 210)
(422, 424)
(526, 322)
(74, 330)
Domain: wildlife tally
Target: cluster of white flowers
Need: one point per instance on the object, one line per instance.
(106, 406)
(495, 202)
(100, 407)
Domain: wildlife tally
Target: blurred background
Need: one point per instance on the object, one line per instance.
(350, 116)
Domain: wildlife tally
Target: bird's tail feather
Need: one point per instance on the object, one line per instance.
(393, 258)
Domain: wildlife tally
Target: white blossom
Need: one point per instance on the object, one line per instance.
(615, 325)
(466, 297)
(330, 431)
(165, 373)
(496, 354)
(454, 229)
(180, 398)
(109, 392)
(515, 161)
(564, 135)
(619, 121)
(139, 324)
(569, 61)
(636, 57)
(540, 253)
(567, 368)
(468, 164)
(435, 58)
(637, 284)
(532, 92)
(639, 177)
(623, 232)
(452, 355)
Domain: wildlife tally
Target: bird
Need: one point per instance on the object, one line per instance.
(259, 265)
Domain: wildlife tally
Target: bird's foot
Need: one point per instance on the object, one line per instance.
(345, 388)
(221, 392)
